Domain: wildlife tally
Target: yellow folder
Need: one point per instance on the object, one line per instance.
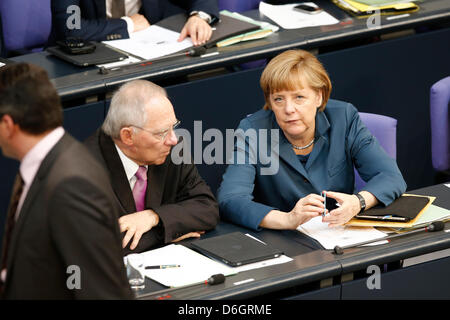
(390, 224)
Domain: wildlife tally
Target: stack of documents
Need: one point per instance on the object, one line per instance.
(286, 17)
(432, 214)
(151, 43)
(329, 237)
(417, 214)
(265, 29)
(365, 8)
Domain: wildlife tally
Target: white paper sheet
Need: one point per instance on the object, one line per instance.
(287, 18)
(262, 264)
(116, 64)
(195, 267)
(151, 43)
(341, 235)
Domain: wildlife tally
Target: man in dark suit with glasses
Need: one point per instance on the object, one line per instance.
(161, 201)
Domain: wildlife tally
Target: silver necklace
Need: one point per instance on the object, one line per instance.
(304, 147)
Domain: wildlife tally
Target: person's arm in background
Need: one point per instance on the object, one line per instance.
(98, 29)
(197, 28)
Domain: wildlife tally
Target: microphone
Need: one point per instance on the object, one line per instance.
(432, 227)
(192, 52)
(215, 279)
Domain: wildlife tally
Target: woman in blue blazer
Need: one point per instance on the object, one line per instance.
(299, 145)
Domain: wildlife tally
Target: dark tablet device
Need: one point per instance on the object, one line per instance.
(235, 249)
(102, 54)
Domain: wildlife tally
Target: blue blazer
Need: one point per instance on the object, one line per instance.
(249, 190)
(95, 26)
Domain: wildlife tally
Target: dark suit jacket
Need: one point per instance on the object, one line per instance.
(176, 193)
(95, 26)
(67, 220)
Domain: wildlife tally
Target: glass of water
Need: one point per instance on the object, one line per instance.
(135, 271)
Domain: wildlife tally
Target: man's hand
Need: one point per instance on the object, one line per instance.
(198, 29)
(139, 22)
(195, 234)
(136, 224)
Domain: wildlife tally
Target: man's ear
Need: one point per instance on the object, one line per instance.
(126, 136)
(8, 125)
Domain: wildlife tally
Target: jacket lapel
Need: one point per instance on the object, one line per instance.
(117, 174)
(155, 185)
(34, 190)
(285, 150)
(321, 138)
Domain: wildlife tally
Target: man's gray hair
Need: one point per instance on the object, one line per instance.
(128, 106)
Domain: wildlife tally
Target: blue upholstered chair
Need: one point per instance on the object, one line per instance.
(385, 130)
(25, 25)
(440, 131)
(238, 5)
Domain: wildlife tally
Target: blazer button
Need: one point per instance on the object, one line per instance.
(305, 180)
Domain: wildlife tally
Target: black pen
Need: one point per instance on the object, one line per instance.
(163, 266)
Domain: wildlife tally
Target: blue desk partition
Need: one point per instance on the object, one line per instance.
(82, 121)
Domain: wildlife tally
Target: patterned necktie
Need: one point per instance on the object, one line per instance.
(140, 188)
(117, 9)
(11, 218)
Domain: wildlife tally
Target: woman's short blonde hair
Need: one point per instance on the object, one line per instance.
(292, 69)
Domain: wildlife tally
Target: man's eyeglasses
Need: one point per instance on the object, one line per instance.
(161, 135)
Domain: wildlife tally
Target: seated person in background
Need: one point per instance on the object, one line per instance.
(319, 143)
(160, 201)
(117, 19)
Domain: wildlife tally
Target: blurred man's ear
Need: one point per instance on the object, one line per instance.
(8, 124)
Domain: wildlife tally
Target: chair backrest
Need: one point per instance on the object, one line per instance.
(238, 5)
(384, 129)
(440, 131)
(26, 24)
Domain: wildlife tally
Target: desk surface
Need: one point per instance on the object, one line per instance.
(74, 82)
(310, 263)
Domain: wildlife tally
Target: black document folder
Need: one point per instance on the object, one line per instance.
(235, 249)
(102, 54)
(403, 209)
(225, 28)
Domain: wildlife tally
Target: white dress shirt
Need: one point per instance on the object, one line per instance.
(130, 167)
(131, 7)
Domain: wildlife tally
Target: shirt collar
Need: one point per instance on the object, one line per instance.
(129, 165)
(34, 157)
